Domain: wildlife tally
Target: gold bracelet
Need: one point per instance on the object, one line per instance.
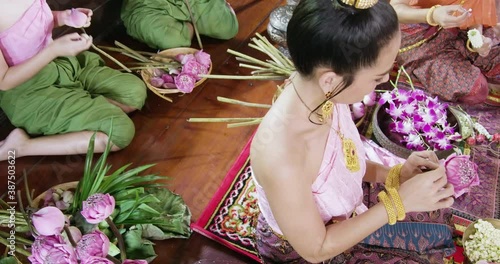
(389, 207)
(396, 199)
(392, 179)
(469, 47)
(430, 13)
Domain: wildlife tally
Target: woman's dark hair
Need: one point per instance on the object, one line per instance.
(331, 34)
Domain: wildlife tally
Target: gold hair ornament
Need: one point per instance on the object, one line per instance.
(360, 4)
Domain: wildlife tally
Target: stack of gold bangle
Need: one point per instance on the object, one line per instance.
(393, 205)
(392, 179)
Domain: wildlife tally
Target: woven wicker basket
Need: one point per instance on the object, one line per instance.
(162, 92)
(397, 148)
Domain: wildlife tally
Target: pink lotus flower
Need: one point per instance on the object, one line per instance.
(59, 253)
(461, 173)
(184, 58)
(167, 78)
(48, 221)
(358, 110)
(370, 99)
(156, 82)
(134, 261)
(194, 68)
(42, 245)
(96, 260)
(76, 19)
(185, 82)
(98, 207)
(203, 58)
(76, 234)
(95, 244)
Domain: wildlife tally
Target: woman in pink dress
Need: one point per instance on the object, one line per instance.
(56, 91)
(308, 160)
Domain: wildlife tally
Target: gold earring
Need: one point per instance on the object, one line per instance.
(326, 110)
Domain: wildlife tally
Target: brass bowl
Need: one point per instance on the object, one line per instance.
(397, 148)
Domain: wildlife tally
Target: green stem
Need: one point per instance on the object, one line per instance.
(408, 77)
(26, 187)
(113, 259)
(19, 250)
(194, 24)
(70, 237)
(20, 239)
(241, 77)
(121, 243)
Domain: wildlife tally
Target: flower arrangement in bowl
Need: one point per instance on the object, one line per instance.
(180, 75)
(411, 120)
(481, 241)
(105, 218)
(171, 71)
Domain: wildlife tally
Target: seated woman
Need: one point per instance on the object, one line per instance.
(434, 48)
(164, 24)
(50, 88)
(308, 159)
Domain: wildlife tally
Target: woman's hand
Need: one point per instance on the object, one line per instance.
(450, 16)
(70, 44)
(416, 163)
(427, 191)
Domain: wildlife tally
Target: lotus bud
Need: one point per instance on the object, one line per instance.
(76, 19)
(156, 82)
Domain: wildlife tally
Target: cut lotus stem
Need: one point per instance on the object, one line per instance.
(238, 102)
(194, 23)
(123, 50)
(244, 65)
(256, 61)
(131, 51)
(241, 77)
(111, 58)
(249, 123)
(220, 120)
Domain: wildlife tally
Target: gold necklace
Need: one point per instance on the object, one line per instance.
(348, 147)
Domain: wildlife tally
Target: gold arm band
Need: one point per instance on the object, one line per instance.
(389, 207)
(392, 180)
(396, 199)
(428, 17)
(469, 47)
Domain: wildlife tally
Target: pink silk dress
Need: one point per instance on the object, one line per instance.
(29, 35)
(337, 191)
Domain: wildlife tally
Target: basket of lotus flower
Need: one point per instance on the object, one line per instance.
(176, 71)
(59, 195)
(417, 124)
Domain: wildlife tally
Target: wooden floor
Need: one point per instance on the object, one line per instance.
(196, 156)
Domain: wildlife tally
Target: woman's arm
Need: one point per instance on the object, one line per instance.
(446, 16)
(407, 14)
(288, 190)
(375, 172)
(68, 45)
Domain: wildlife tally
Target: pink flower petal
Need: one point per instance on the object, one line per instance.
(48, 221)
(76, 19)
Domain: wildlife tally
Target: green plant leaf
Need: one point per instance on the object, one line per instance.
(137, 247)
(8, 260)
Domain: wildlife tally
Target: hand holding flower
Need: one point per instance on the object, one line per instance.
(418, 162)
(75, 17)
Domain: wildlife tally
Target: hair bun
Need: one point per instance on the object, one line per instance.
(359, 4)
